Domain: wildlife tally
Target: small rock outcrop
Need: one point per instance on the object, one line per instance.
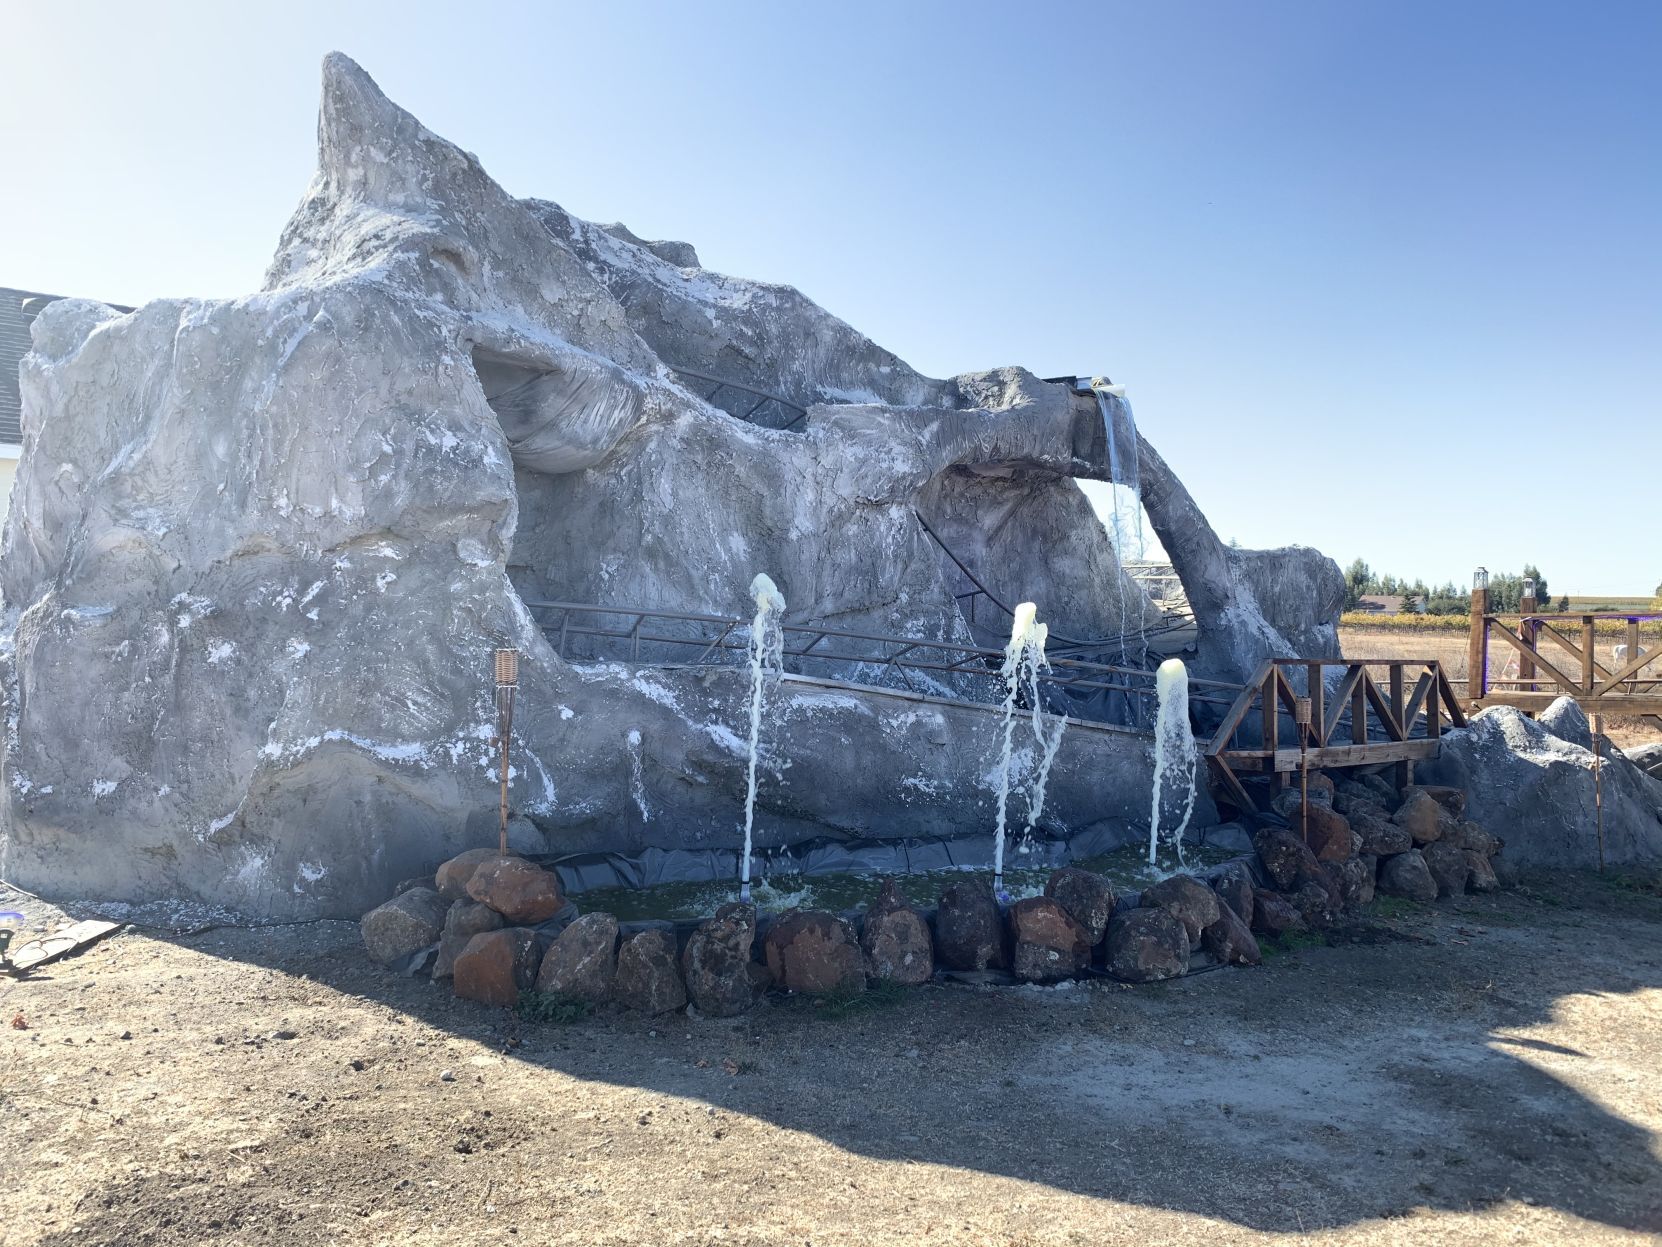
(1086, 895)
(1146, 945)
(581, 963)
(522, 893)
(815, 952)
(648, 976)
(406, 924)
(722, 981)
(497, 965)
(1047, 944)
(1187, 899)
(969, 934)
(895, 940)
(1406, 875)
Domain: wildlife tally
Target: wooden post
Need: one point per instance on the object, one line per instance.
(1318, 701)
(1590, 668)
(1477, 650)
(1272, 721)
(1633, 651)
(1526, 630)
(1405, 769)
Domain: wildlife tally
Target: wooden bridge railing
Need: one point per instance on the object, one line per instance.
(1573, 668)
(1375, 724)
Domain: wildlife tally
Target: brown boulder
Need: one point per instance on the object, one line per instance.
(1451, 799)
(1380, 836)
(1448, 866)
(1420, 816)
(581, 963)
(1189, 900)
(1233, 884)
(1228, 940)
(1327, 831)
(1481, 876)
(722, 981)
(969, 934)
(1086, 895)
(1316, 903)
(810, 951)
(1360, 874)
(1146, 945)
(408, 923)
(522, 893)
(1287, 859)
(462, 921)
(497, 965)
(1273, 913)
(1406, 875)
(1048, 944)
(648, 978)
(451, 878)
(895, 940)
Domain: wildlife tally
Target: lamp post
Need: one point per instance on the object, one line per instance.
(507, 681)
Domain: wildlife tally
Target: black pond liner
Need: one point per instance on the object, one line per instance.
(583, 872)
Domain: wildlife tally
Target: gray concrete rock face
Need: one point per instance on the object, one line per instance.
(280, 536)
(1537, 791)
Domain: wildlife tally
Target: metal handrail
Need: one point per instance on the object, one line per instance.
(725, 383)
(730, 636)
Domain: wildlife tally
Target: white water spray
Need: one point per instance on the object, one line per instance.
(767, 649)
(1174, 752)
(1048, 743)
(1024, 656)
(1124, 522)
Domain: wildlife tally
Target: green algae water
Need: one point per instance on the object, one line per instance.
(1126, 868)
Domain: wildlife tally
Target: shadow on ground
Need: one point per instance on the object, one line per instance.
(1455, 1058)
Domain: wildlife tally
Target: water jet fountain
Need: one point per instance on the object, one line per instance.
(767, 648)
(1174, 752)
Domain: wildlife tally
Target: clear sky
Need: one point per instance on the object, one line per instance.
(1383, 278)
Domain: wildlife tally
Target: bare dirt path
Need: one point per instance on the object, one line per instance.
(1483, 1072)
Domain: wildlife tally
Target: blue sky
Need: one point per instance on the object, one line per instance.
(1381, 278)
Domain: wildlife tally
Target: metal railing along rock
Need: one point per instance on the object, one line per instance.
(862, 659)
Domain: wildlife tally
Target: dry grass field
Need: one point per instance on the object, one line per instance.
(1449, 648)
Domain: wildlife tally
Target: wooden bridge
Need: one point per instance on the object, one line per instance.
(1359, 720)
(1573, 668)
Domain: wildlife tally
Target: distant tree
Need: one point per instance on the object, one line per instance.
(1358, 576)
(1564, 604)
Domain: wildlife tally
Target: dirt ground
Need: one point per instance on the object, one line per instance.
(1484, 1071)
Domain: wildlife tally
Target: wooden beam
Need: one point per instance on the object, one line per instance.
(1387, 718)
(1317, 688)
(1589, 642)
(1569, 685)
(1238, 712)
(1634, 666)
(1417, 702)
(1573, 648)
(1233, 791)
(1347, 686)
(1451, 703)
(1338, 755)
(1635, 704)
